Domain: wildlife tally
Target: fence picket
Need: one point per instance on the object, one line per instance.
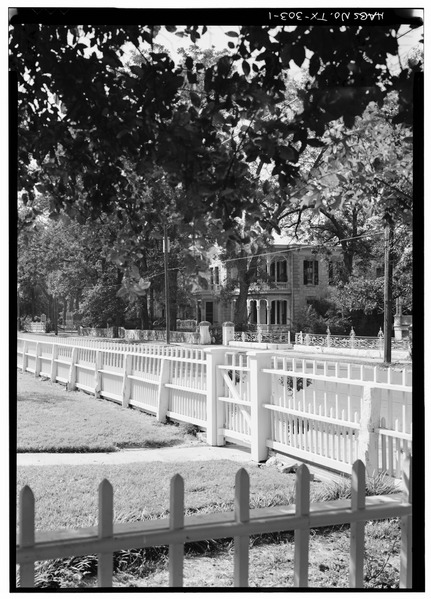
(26, 533)
(357, 529)
(302, 535)
(105, 530)
(176, 522)
(406, 528)
(242, 514)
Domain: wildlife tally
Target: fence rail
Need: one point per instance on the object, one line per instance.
(175, 531)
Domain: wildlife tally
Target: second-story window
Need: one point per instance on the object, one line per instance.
(216, 276)
(211, 276)
(278, 271)
(311, 272)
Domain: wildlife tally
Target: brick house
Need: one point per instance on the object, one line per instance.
(289, 277)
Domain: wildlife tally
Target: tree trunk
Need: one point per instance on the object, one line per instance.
(33, 303)
(64, 310)
(151, 307)
(246, 276)
(144, 316)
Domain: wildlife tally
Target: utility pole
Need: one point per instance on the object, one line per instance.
(167, 309)
(387, 325)
(17, 309)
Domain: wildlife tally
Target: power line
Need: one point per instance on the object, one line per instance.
(300, 247)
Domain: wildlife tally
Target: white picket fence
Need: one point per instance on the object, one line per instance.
(109, 536)
(329, 413)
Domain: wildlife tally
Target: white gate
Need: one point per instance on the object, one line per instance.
(234, 394)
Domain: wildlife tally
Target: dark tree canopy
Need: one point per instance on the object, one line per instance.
(151, 142)
(82, 114)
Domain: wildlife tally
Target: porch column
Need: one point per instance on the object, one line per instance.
(268, 311)
(258, 311)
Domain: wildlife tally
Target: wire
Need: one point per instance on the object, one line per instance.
(300, 247)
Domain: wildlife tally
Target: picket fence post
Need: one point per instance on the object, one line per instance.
(72, 370)
(260, 394)
(24, 355)
(37, 360)
(368, 439)
(54, 356)
(98, 374)
(125, 391)
(163, 391)
(215, 356)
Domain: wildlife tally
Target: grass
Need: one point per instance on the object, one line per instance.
(51, 419)
(141, 491)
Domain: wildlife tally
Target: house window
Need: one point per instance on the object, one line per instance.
(209, 312)
(279, 312)
(311, 272)
(278, 271)
(216, 276)
(211, 276)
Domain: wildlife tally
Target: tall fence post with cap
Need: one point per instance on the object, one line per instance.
(215, 356)
(260, 394)
(228, 332)
(204, 333)
(368, 439)
(163, 391)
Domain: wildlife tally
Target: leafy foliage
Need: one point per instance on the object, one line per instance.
(152, 143)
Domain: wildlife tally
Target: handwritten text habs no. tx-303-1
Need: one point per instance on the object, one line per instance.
(296, 15)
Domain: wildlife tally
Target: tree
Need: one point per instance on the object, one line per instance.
(87, 123)
(142, 115)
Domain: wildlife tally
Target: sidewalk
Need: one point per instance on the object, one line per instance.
(194, 453)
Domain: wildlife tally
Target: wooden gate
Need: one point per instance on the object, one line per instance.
(234, 394)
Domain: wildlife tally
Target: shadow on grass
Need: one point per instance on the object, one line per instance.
(150, 444)
(42, 398)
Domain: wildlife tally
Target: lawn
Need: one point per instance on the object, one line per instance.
(67, 497)
(51, 419)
